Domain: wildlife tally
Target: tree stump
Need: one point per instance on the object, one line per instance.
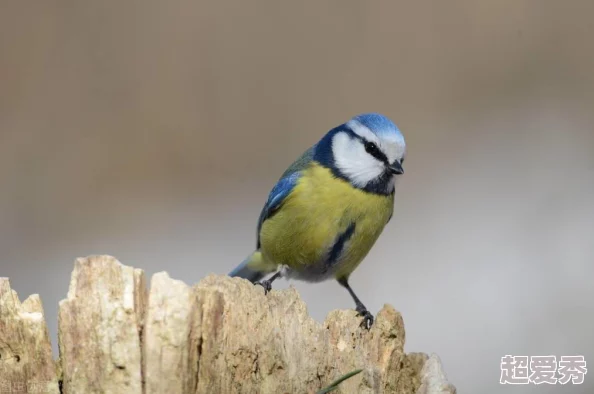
(223, 335)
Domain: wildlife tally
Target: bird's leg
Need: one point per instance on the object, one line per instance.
(267, 284)
(360, 308)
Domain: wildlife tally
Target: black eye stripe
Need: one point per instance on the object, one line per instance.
(374, 151)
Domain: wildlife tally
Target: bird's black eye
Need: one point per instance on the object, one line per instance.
(372, 149)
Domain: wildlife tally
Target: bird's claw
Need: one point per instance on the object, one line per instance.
(367, 321)
(266, 284)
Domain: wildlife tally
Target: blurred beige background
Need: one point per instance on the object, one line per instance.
(153, 131)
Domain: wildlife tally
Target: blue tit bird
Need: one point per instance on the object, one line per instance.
(329, 207)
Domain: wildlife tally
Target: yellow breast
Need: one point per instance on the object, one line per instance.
(319, 209)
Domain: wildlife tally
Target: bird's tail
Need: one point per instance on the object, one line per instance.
(252, 268)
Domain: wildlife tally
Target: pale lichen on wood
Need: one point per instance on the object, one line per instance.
(223, 335)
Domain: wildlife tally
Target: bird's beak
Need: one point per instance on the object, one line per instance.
(396, 168)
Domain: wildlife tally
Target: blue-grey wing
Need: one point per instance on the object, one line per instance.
(283, 188)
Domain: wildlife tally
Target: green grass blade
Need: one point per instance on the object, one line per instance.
(334, 385)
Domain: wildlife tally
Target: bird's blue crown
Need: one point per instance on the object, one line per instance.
(378, 124)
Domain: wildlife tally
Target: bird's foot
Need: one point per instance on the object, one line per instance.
(266, 284)
(367, 317)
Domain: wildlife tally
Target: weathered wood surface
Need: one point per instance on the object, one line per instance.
(221, 336)
(26, 363)
(99, 326)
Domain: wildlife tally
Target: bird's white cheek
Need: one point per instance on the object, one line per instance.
(353, 161)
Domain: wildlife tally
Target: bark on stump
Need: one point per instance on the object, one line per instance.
(222, 335)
